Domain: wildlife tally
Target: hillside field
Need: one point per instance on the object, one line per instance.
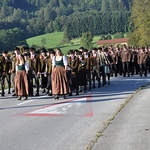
(52, 40)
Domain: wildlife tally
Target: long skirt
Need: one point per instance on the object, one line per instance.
(60, 84)
(21, 83)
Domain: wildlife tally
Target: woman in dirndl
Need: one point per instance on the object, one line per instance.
(21, 81)
(60, 84)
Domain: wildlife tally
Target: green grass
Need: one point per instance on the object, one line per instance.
(53, 40)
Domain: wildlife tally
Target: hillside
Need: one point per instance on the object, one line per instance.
(53, 40)
(37, 17)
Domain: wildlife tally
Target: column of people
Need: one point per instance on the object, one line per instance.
(58, 74)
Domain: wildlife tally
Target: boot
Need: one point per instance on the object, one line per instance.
(19, 97)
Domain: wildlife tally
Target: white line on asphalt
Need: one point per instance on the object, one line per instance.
(25, 102)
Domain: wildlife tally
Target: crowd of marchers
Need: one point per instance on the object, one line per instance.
(59, 75)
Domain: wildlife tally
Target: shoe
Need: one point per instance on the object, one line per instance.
(64, 96)
(77, 93)
(25, 98)
(56, 97)
(37, 94)
(14, 94)
(9, 92)
(19, 97)
(2, 94)
(13, 90)
(43, 91)
(49, 94)
(70, 94)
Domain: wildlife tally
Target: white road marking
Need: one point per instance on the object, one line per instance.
(25, 102)
(63, 108)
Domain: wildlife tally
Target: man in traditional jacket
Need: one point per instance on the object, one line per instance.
(35, 67)
(2, 62)
(51, 54)
(88, 60)
(73, 63)
(7, 70)
(125, 56)
(142, 61)
(114, 62)
(95, 68)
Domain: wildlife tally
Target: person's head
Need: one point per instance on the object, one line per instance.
(43, 52)
(5, 53)
(49, 50)
(58, 52)
(32, 50)
(94, 50)
(17, 50)
(99, 50)
(26, 49)
(71, 53)
(51, 54)
(26, 55)
(80, 56)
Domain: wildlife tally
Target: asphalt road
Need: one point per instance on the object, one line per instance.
(41, 123)
(130, 130)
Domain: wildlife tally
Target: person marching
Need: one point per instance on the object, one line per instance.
(82, 72)
(60, 84)
(29, 73)
(114, 63)
(2, 62)
(7, 70)
(101, 64)
(35, 67)
(95, 68)
(88, 61)
(108, 62)
(43, 61)
(126, 56)
(21, 81)
(73, 63)
(50, 56)
(142, 61)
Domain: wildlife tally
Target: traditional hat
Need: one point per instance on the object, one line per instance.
(32, 49)
(43, 50)
(26, 54)
(5, 52)
(17, 48)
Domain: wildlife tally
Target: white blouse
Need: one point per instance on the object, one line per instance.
(65, 61)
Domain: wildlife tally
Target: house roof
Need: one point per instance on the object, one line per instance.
(121, 40)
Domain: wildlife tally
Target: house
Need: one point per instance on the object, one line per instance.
(120, 41)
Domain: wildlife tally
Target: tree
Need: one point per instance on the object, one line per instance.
(43, 41)
(140, 17)
(86, 40)
(118, 35)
